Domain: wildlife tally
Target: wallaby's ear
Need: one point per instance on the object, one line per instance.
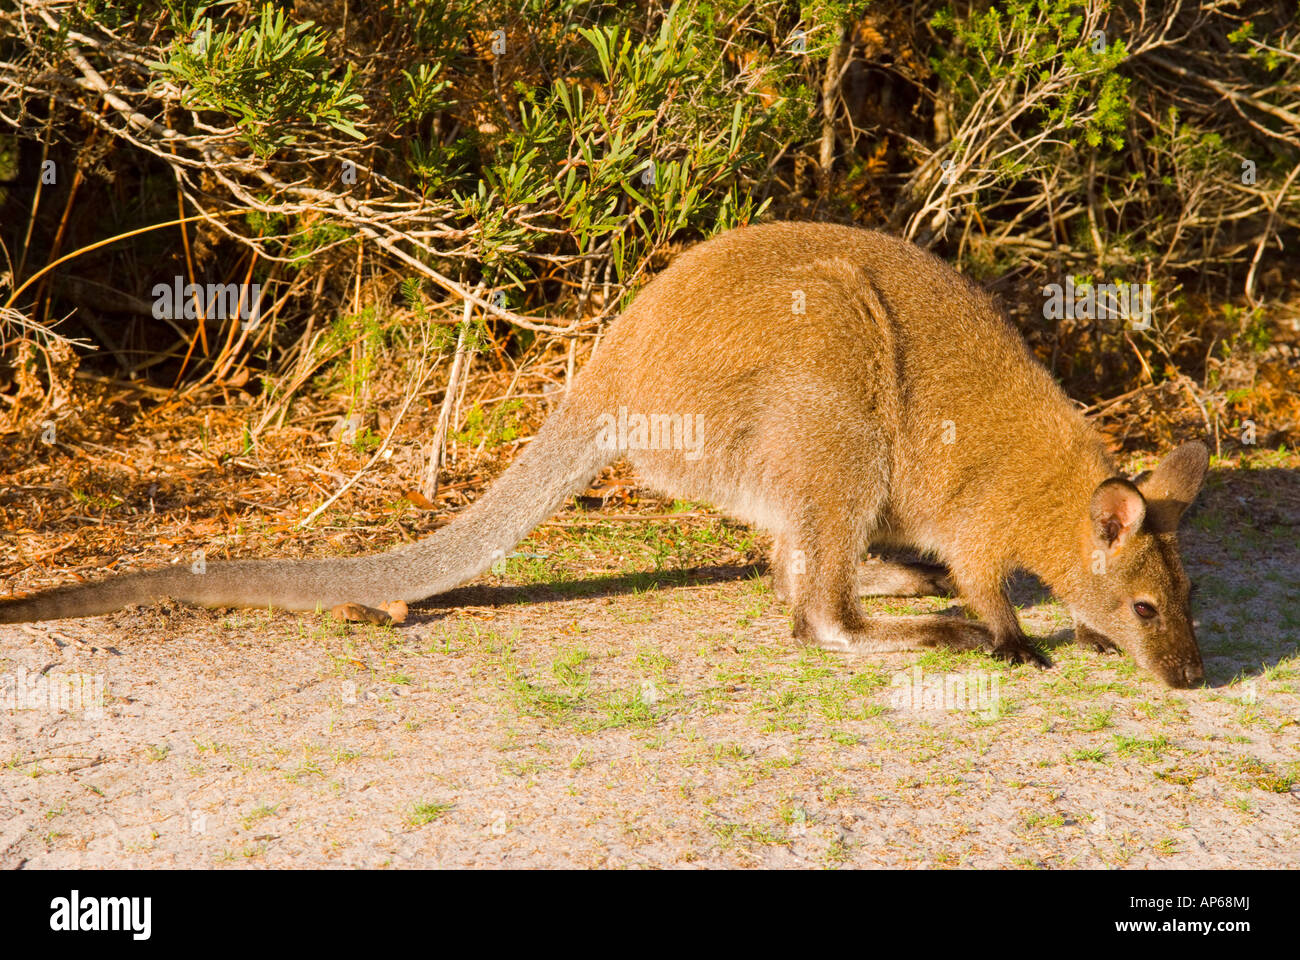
(1117, 510)
(1171, 487)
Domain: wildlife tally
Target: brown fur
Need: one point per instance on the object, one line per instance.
(899, 409)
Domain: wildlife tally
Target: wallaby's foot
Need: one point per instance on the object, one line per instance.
(1085, 636)
(885, 578)
(1018, 650)
(926, 631)
(892, 634)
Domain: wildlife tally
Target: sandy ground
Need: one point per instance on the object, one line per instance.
(626, 720)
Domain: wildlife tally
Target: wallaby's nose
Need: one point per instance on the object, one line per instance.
(1193, 673)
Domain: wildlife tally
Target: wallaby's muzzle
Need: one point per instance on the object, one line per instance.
(1182, 667)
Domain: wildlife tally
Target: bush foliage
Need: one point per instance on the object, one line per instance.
(374, 164)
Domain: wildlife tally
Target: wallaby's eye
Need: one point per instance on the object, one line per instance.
(1144, 609)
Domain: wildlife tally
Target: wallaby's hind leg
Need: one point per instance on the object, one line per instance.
(886, 578)
(788, 566)
(829, 614)
(832, 618)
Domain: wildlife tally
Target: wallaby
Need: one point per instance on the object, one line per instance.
(838, 388)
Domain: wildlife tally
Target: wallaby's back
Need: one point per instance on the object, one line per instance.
(865, 340)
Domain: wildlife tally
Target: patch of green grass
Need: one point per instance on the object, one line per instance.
(421, 813)
(789, 696)
(1035, 820)
(754, 609)
(664, 547)
(731, 833)
(1088, 754)
(260, 812)
(622, 709)
(837, 852)
(530, 568)
(568, 668)
(307, 767)
(1147, 751)
(1253, 772)
(1166, 847)
(651, 662)
(1180, 776)
(538, 700)
(1098, 718)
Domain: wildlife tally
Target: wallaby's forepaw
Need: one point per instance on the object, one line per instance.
(1021, 650)
(1087, 637)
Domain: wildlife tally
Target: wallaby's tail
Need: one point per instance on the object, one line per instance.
(562, 459)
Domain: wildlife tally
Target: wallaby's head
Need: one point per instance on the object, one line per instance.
(1135, 592)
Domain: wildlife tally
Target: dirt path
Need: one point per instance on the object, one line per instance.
(609, 722)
